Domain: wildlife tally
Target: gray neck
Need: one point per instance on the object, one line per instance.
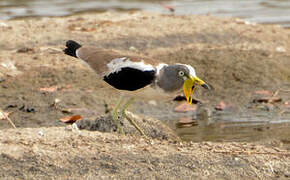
(168, 80)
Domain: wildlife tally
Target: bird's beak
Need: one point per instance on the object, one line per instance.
(189, 86)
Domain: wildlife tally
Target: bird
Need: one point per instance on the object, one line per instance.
(135, 74)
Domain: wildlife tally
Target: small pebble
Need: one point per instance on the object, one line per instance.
(263, 92)
(222, 106)
(4, 25)
(280, 49)
(56, 100)
(241, 21)
(186, 107)
(8, 65)
(152, 102)
(75, 127)
(40, 133)
(132, 48)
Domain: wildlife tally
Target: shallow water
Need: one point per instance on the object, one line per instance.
(241, 123)
(227, 126)
(260, 11)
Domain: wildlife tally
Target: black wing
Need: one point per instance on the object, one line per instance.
(130, 79)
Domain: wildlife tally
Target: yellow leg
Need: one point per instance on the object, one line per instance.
(115, 116)
(125, 115)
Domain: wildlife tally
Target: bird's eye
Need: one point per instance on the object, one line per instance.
(181, 73)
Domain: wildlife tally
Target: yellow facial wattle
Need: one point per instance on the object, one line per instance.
(188, 90)
(190, 85)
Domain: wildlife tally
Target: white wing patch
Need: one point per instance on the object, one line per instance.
(159, 67)
(117, 64)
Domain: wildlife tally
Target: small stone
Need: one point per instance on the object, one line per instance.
(4, 25)
(241, 21)
(250, 23)
(40, 133)
(263, 92)
(152, 102)
(223, 106)
(75, 127)
(8, 65)
(8, 68)
(186, 107)
(132, 48)
(56, 100)
(280, 49)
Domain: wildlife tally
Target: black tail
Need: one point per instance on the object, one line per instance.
(71, 47)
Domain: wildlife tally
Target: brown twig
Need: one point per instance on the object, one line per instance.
(278, 91)
(10, 121)
(5, 117)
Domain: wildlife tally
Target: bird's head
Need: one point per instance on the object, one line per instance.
(177, 76)
(191, 81)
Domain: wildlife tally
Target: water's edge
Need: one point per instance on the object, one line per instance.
(268, 12)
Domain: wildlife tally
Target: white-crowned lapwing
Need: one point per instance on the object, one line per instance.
(134, 73)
